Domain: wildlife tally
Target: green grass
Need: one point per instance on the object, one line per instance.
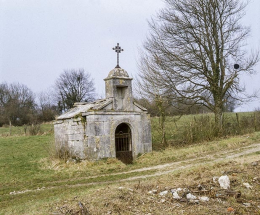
(19, 161)
(198, 128)
(37, 202)
(24, 130)
(26, 164)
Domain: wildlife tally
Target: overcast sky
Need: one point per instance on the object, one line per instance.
(39, 39)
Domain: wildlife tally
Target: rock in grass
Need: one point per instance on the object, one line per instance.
(163, 193)
(247, 185)
(152, 192)
(189, 196)
(162, 200)
(224, 182)
(175, 193)
(247, 204)
(204, 198)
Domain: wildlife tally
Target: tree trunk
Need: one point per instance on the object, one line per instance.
(162, 119)
(10, 127)
(218, 120)
(162, 125)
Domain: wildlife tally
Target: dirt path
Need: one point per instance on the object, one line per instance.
(169, 167)
(232, 154)
(175, 166)
(160, 169)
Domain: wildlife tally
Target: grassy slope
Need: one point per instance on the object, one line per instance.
(25, 164)
(197, 128)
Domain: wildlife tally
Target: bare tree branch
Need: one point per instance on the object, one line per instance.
(191, 52)
(74, 86)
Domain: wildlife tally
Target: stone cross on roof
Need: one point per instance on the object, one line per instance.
(118, 50)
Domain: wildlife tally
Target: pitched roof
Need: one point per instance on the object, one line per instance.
(81, 107)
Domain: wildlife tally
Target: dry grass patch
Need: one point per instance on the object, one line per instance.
(84, 165)
(144, 197)
(172, 154)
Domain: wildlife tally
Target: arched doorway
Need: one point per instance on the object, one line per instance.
(123, 141)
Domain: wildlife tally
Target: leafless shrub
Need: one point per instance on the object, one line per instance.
(34, 129)
(31, 130)
(200, 128)
(60, 149)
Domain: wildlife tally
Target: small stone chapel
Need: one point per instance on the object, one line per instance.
(112, 127)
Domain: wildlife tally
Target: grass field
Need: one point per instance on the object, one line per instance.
(198, 128)
(32, 181)
(24, 130)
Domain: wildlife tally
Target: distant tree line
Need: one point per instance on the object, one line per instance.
(19, 105)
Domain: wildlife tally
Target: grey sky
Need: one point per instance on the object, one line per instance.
(41, 38)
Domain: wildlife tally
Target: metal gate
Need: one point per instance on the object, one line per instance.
(124, 147)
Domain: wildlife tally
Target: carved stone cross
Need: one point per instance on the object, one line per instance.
(118, 50)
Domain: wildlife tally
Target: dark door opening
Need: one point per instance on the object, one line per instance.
(123, 141)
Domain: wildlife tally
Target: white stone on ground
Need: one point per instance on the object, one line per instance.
(190, 196)
(204, 198)
(163, 193)
(175, 195)
(224, 182)
(247, 185)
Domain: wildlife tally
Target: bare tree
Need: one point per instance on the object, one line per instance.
(4, 99)
(17, 104)
(74, 86)
(192, 50)
(148, 90)
(47, 107)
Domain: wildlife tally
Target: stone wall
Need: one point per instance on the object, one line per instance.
(92, 136)
(69, 133)
(100, 131)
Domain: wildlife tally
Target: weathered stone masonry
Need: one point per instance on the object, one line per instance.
(112, 127)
